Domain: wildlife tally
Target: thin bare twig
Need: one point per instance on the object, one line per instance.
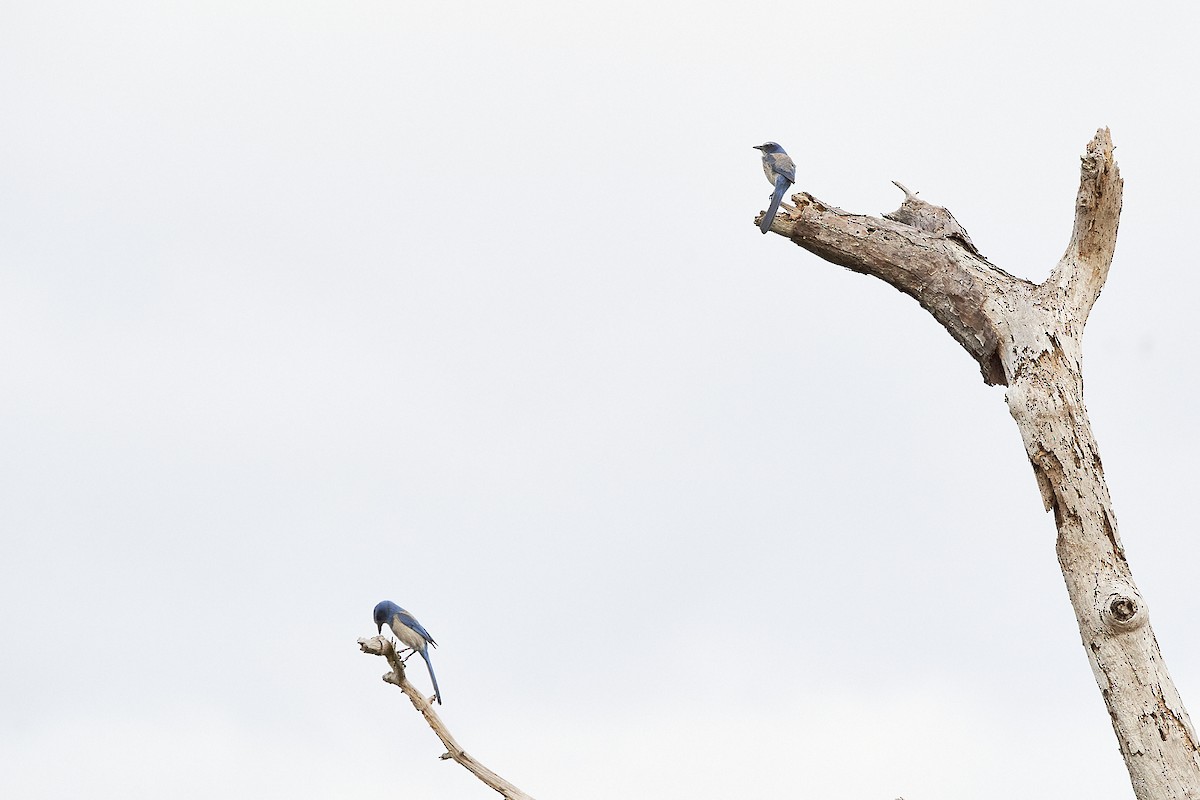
(382, 646)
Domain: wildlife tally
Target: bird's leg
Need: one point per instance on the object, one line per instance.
(400, 650)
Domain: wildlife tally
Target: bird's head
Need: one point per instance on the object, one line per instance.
(769, 147)
(384, 611)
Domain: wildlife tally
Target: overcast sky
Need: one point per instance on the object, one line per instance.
(308, 305)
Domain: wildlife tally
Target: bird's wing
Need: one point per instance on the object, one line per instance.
(411, 621)
(783, 165)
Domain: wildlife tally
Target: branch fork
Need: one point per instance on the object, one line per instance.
(382, 646)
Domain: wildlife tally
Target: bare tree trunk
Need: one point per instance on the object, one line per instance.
(1028, 337)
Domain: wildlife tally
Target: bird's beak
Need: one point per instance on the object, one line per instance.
(757, 147)
(379, 627)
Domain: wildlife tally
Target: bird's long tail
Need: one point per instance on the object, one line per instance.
(781, 185)
(429, 665)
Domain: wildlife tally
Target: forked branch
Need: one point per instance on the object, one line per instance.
(1029, 337)
(382, 646)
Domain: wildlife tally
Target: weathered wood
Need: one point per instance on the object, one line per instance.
(1028, 337)
(382, 646)
(933, 266)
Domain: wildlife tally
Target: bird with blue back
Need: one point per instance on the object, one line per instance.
(410, 633)
(781, 172)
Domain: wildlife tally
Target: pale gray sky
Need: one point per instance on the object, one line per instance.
(308, 305)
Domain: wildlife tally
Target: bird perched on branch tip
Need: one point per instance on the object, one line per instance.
(410, 633)
(781, 172)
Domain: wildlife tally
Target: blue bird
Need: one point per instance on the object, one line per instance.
(781, 172)
(410, 633)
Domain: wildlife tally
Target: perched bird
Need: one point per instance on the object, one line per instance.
(781, 172)
(410, 633)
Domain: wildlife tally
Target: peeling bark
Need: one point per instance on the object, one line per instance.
(1027, 337)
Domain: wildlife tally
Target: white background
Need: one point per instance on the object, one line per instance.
(308, 305)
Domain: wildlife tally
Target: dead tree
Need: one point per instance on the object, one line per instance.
(1027, 337)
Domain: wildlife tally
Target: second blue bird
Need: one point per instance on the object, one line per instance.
(410, 633)
(781, 172)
